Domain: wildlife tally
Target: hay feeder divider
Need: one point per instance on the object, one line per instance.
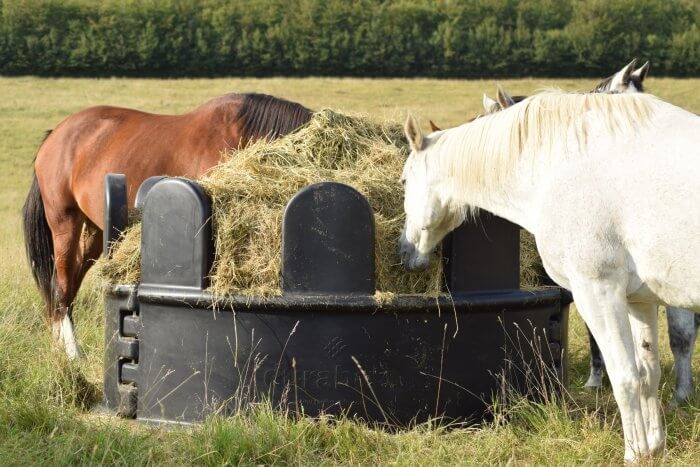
(175, 352)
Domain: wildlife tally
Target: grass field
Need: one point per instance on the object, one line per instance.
(45, 400)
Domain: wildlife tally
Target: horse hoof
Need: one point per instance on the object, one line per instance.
(76, 354)
(593, 383)
(678, 401)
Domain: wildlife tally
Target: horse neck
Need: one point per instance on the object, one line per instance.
(513, 201)
(503, 166)
(511, 195)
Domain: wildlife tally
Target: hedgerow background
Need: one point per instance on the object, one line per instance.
(444, 38)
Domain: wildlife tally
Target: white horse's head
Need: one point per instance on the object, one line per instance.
(503, 101)
(626, 80)
(429, 214)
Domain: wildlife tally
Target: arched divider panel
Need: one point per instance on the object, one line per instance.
(328, 242)
(176, 237)
(145, 188)
(116, 211)
(483, 254)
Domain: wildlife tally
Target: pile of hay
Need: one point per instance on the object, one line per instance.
(250, 190)
(251, 187)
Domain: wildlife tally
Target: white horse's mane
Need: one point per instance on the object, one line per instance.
(479, 154)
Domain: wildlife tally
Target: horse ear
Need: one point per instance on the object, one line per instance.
(413, 133)
(434, 127)
(503, 98)
(640, 73)
(490, 105)
(626, 72)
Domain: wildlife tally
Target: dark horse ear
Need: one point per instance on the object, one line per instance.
(414, 134)
(640, 73)
(434, 127)
(626, 72)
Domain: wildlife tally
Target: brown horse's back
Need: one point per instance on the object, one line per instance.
(93, 142)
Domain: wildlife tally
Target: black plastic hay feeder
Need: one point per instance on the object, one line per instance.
(174, 352)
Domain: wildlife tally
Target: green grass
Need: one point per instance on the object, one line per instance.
(45, 400)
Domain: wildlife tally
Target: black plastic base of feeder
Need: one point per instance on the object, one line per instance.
(407, 361)
(176, 353)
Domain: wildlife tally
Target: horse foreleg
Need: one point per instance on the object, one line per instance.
(595, 378)
(603, 306)
(682, 332)
(645, 331)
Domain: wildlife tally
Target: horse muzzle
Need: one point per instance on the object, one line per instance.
(411, 258)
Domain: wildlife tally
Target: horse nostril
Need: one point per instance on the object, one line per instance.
(418, 263)
(405, 250)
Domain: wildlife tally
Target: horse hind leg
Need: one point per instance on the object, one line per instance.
(595, 377)
(66, 231)
(64, 333)
(682, 332)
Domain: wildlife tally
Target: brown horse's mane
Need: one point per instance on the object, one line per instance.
(267, 117)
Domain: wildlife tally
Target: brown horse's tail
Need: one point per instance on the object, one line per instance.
(38, 241)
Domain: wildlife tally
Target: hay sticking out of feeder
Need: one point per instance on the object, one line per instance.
(124, 265)
(251, 188)
(531, 269)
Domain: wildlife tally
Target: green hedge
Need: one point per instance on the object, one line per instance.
(449, 38)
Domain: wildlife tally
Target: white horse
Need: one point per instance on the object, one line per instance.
(682, 324)
(608, 185)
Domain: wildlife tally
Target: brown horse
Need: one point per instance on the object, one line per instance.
(63, 211)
